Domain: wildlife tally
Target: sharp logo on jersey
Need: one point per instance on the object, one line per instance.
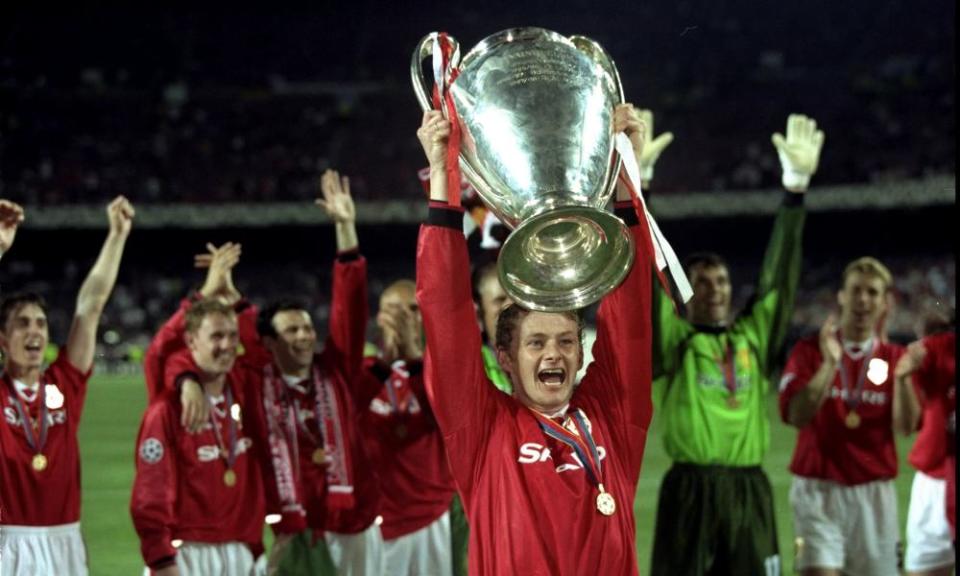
(742, 381)
(532, 453)
(866, 396)
(210, 453)
(151, 450)
(54, 417)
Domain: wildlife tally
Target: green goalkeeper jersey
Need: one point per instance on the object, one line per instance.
(711, 383)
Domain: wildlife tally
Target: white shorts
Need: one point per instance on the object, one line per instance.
(929, 544)
(848, 528)
(224, 559)
(42, 550)
(359, 554)
(426, 552)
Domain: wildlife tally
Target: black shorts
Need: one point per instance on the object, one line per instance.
(714, 520)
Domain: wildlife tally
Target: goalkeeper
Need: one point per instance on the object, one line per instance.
(711, 382)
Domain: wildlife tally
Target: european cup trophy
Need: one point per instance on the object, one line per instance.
(535, 110)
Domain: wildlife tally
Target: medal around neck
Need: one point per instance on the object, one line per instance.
(39, 462)
(852, 421)
(605, 503)
(534, 110)
(230, 478)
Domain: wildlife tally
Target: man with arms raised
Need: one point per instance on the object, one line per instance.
(839, 389)
(317, 473)
(197, 501)
(403, 438)
(711, 378)
(39, 455)
(547, 476)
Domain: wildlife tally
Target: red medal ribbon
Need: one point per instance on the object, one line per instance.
(853, 396)
(442, 100)
(37, 442)
(582, 442)
(230, 453)
(728, 369)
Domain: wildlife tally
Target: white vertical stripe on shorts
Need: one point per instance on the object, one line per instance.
(42, 550)
(929, 544)
(848, 528)
(359, 554)
(426, 552)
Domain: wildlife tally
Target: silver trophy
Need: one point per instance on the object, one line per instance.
(536, 115)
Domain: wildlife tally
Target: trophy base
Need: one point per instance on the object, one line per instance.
(565, 258)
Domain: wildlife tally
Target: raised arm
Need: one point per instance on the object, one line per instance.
(348, 308)
(457, 387)
(805, 396)
(906, 405)
(96, 289)
(799, 153)
(11, 215)
(621, 372)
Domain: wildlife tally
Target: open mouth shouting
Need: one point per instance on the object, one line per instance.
(552, 377)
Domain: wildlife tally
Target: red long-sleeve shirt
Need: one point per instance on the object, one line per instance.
(531, 506)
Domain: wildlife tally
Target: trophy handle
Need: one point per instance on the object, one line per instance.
(597, 54)
(422, 87)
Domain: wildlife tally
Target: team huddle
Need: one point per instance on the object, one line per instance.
(466, 443)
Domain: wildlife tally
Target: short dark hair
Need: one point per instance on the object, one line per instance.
(480, 275)
(705, 260)
(511, 316)
(17, 300)
(265, 317)
(203, 308)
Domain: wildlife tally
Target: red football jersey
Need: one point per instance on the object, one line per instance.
(935, 382)
(826, 448)
(183, 490)
(51, 496)
(403, 439)
(341, 361)
(531, 506)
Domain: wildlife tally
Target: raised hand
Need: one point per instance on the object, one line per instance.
(402, 334)
(11, 215)
(830, 347)
(120, 212)
(626, 119)
(912, 360)
(336, 200)
(799, 151)
(652, 147)
(220, 261)
(433, 133)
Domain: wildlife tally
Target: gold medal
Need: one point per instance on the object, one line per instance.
(732, 402)
(852, 420)
(230, 478)
(39, 462)
(319, 457)
(605, 503)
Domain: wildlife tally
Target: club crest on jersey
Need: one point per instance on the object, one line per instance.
(151, 450)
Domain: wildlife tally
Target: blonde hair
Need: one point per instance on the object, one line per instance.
(869, 265)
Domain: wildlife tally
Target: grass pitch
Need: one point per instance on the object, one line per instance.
(111, 420)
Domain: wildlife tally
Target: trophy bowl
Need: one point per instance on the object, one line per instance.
(535, 110)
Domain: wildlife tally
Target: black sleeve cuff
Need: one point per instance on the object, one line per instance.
(348, 255)
(178, 381)
(163, 563)
(793, 198)
(624, 210)
(447, 217)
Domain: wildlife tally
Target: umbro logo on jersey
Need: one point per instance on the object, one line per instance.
(210, 453)
(532, 453)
